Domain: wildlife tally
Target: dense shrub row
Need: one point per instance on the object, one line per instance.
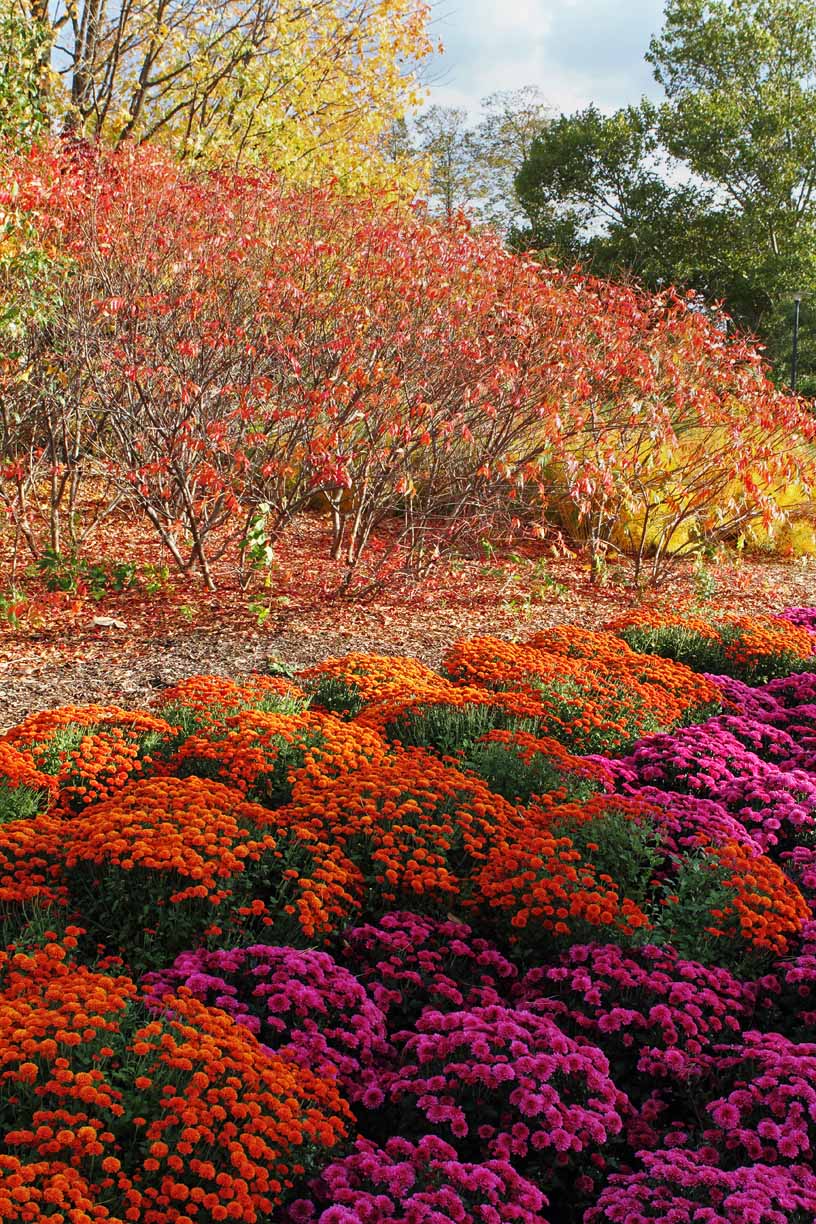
(519, 942)
(216, 354)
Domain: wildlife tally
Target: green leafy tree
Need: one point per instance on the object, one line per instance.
(501, 143)
(446, 145)
(594, 191)
(713, 189)
(24, 74)
(740, 81)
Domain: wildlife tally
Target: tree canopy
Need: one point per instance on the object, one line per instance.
(713, 188)
(303, 88)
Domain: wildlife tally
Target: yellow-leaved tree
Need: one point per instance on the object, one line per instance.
(307, 87)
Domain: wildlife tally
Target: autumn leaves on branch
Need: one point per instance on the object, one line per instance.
(216, 350)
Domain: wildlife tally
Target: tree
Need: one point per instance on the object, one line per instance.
(713, 189)
(740, 79)
(586, 174)
(24, 76)
(303, 87)
(445, 143)
(502, 141)
(594, 192)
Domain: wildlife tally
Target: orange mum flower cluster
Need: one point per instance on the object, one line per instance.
(694, 695)
(597, 807)
(598, 645)
(768, 908)
(156, 1120)
(98, 768)
(187, 849)
(749, 641)
(416, 826)
(595, 670)
(90, 752)
(590, 709)
(204, 701)
(198, 830)
(238, 1126)
(535, 884)
(23, 787)
(38, 730)
(348, 683)
(48, 1190)
(754, 649)
(729, 905)
(30, 867)
(257, 753)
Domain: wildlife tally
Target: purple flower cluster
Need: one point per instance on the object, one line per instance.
(300, 1003)
(688, 822)
(409, 962)
(791, 990)
(677, 1187)
(767, 1113)
(805, 618)
(776, 805)
(422, 1183)
(800, 864)
(652, 1013)
(743, 698)
(509, 1084)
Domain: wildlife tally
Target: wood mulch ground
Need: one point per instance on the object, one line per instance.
(58, 655)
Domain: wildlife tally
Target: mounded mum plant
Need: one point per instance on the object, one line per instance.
(404, 1182)
(156, 1114)
(172, 862)
(261, 754)
(408, 962)
(650, 1011)
(506, 1083)
(685, 1187)
(416, 827)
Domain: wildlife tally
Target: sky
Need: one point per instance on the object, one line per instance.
(575, 51)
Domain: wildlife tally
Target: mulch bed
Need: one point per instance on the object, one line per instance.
(58, 655)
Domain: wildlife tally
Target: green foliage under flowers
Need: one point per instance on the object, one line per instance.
(453, 729)
(18, 802)
(506, 772)
(337, 696)
(626, 849)
(188, 720)
(710, 654)
(698, 890)
(566, 704)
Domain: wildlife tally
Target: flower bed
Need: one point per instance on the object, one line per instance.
(531, 941)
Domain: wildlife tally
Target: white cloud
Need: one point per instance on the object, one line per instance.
(575, 51)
